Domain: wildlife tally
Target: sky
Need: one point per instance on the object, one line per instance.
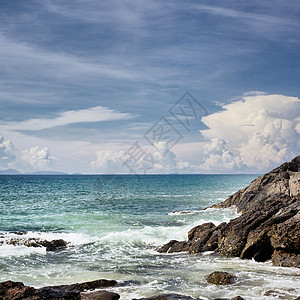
(148, 86)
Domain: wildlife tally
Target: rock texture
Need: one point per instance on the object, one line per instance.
(10, 290)
(269, 227)
(220, 278)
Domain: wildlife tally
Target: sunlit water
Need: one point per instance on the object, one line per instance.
(113, 225)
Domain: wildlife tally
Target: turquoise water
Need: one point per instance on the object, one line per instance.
(113, 225)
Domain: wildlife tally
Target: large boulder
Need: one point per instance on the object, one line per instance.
(220, 278)
(200, 238)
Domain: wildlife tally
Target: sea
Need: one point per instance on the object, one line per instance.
(113, 225)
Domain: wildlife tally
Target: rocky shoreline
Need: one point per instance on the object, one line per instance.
(269, 225)
(268, 229)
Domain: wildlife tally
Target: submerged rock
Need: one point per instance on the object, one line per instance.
(269, 227)
(220, 278)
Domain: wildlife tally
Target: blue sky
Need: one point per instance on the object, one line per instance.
(83, 81)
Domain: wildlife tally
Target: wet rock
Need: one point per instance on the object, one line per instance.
(54, 244)
(100, 295)
(275, 294)
(220, 278)
(10, 290)
(35, 242)
(200, 238)
(15, 290)
(92, 285)
(168, 297)
(174, 246)
(283, 259)
(58, 292)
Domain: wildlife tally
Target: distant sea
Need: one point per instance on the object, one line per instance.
(115, 223)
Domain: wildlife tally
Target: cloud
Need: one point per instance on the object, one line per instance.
(7, 152)
(109, 161)
(37, 158)
(255, 133)
(139, 160)
(93, 114)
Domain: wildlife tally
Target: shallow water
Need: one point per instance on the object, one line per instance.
(113, 225)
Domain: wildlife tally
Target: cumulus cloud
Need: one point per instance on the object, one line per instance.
(37, 158)
(7, 152)
(93, 114)
(139, 160)
(255, 133)
(109, 161)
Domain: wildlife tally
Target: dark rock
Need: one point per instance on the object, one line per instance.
(168, 297)
(54, 244)
(15, 290)
(95, 284)
(100, 295)
(283, 259)
(174, 246)
(220, 278)
(57, 292)
(200, 238)
(238, 298)
(35, 242)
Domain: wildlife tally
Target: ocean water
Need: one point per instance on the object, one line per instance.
(114, 224)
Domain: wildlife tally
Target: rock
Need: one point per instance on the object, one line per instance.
(220, 278)
(36, 242)
(200, 238)
(168, 297)
(15, 290)
(283, 259)
(269, 227)
(174, 246)
(238, 298)
(57, 292)
(100, 295)
(92, 285)
(54, 244)
(275, 294)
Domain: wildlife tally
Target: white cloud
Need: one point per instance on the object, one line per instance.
(93, 114)
(257, 133)
(37, 158)
(109, 161)
(7, 152)
(160, 159)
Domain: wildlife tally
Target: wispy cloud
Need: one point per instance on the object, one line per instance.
(227, 12)
(93, 114)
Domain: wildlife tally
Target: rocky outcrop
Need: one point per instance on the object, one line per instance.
(220, 278)
(200, 238)
(10, 290)
(269, 225)
(35, 242)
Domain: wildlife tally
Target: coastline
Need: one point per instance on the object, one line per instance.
(203, 264)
